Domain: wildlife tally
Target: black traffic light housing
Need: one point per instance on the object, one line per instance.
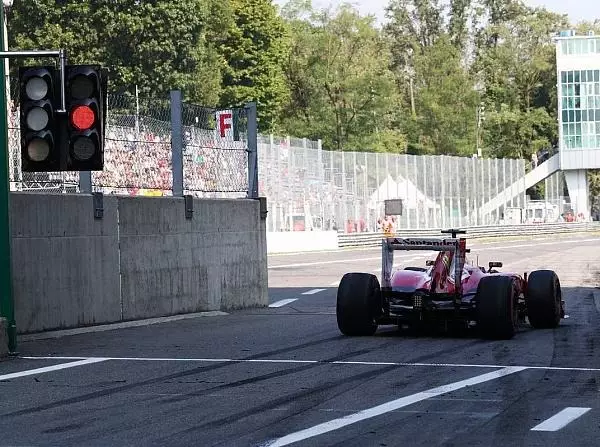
(52, 140)
(85, 102)
(39, 92)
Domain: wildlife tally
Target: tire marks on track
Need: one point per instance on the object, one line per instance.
(303, 401)
(131, 386)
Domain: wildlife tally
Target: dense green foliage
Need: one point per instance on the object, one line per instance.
(413, 85)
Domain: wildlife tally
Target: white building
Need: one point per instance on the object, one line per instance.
(578, 74)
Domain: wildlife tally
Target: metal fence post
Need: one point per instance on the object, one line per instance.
(321, 174)
(176, 143)
(252, 151)
(357, 207)
(344, 195)
(85, 182)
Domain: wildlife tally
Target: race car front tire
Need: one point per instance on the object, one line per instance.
(496, 317)
(543, 299)
(358, 304)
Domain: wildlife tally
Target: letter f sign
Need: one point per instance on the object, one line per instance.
(224, 123)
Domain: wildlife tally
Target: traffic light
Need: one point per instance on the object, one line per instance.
(53, 139)
(86, 97)
(39, 92)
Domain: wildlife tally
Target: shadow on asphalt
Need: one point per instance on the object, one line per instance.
(574, 298)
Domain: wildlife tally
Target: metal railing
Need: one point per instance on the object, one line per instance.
(346, 240)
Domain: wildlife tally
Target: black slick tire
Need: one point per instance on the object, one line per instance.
(496, 318)
(358, 304)
(543, 299)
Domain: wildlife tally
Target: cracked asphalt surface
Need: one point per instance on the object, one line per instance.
(276, 375)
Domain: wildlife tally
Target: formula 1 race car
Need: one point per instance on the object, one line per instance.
(447, 290)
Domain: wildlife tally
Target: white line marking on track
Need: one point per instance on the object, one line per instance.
(479, 247)
(335, 283)
(561, 419)
(346, 261)
(387, 407)
(31, 372)
(313, 291)
(336, 261)
(324, 362)
(281, 303)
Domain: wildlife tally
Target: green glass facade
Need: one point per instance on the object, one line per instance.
(577, 47)
(580, 108)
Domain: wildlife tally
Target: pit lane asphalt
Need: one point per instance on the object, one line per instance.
(259, 375)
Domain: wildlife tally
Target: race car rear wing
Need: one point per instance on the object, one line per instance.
(391, 244)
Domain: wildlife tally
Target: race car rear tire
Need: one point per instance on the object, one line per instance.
(496, 317)
(543, 299)
(358, 304)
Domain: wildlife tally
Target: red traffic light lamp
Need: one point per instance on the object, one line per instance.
(82, 117)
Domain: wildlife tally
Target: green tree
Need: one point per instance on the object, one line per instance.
(342, 88)
(428, 59)
(516, 66)
(255, 50)
(458, 26)
(159, 46)
(446, 101)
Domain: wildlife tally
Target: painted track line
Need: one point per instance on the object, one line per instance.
(345, 261)
(31, 372)
(478, 248)
(336, 261)
(281, 303)
(561, 419)
(387, 407)
(313, 291)
(323, 362)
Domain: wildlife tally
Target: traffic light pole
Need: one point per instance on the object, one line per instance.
(7, 307)
(62, 61)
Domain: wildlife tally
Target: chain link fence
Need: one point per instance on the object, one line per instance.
(312, 189)
(215, 144)
(138, 151)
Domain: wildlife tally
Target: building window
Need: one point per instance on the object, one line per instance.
(580, 104)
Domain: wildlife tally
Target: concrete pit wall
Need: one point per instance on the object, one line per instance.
(142, 259)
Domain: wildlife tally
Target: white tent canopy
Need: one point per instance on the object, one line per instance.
(403, 189)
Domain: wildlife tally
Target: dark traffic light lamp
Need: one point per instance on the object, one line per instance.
(38, 122)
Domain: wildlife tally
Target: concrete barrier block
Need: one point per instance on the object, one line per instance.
(65, 263)
(142, 259)
(172, 265)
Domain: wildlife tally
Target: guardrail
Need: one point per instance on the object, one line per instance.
(374, 239)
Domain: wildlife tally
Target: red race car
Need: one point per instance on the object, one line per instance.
(495, 303)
